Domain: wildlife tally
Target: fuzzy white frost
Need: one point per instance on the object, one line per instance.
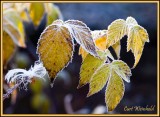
(21, 75)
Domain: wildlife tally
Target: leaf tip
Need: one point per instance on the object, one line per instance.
(89, 94)
(79, 86)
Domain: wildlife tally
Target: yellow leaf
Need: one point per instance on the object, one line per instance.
(117, 48)
(55, 48)
(82, 35)
(88, 67)
(100, 38)
(136, 39)
(116, 30)
(53, 12)
(99, 79)
(22, 10)
(36, 11)
(114, 91)
(8, 48)
(83, 53)
(13, 25)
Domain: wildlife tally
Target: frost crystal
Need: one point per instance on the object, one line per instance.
(21, 76)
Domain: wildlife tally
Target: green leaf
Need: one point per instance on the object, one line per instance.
(36, 12)
(89, 65)
(99, 79)
(53, 13)
(114, 91)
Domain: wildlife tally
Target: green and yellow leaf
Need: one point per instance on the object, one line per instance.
(13, 25)
(99, 79)
(122, 69)
(96, 72)
(53, 13)
(55, 48)
(36, 12)
(88, 67)
(137, 37)
(114, 91)
(117, 48)
(116, 30)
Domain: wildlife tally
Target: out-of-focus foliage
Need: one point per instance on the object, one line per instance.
(38, 85)
(13, 25)
(14, 94)
(36, 11)
(14, 14)
(53, 13)
(40, 102)
(8, 48)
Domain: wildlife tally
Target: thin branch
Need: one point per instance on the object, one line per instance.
(10, 91)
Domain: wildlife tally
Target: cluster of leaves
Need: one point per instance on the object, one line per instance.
(14, 16)
(55, 49)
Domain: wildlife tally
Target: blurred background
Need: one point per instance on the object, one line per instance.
(64, 97)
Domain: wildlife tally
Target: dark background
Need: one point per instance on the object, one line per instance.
(141, 91)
